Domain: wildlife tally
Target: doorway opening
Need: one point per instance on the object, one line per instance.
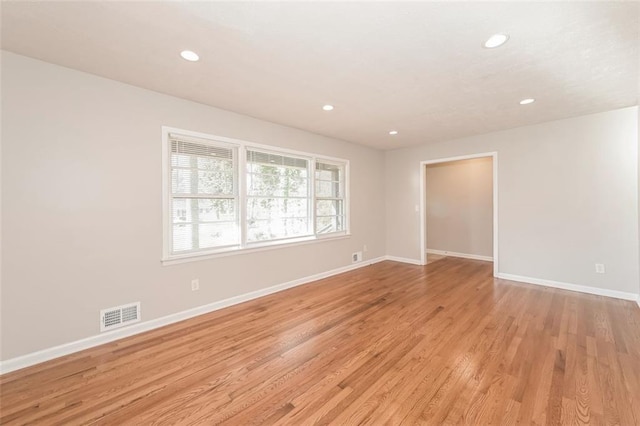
(459, 208)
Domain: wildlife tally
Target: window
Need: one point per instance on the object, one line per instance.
(277, 197)
(224, 195)
(330, 211)
(204, 196)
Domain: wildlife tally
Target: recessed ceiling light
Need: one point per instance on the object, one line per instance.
(496, 40)
(189, 55)
(393, 132)
(527, 101)
(327, 107)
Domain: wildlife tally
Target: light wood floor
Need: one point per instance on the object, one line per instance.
(434, 257)
(386, 344)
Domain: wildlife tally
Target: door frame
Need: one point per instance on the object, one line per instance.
(423, 198)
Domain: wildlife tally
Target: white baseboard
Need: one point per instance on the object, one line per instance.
(462, 255)
(638, 301)
(100, 339)
(573, 287)
(404, 260)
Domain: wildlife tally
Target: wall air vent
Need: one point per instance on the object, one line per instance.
(119, 316)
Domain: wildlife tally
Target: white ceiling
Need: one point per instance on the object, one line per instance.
(417, 67)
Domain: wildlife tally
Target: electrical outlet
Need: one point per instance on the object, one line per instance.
(195, 285)
(356, 257)
(365, 249)
(599, 268)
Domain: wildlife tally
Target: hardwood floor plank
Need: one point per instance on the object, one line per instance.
(391, 343)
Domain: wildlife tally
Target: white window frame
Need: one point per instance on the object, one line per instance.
(241, 146)
(344, 198)
(309, 198)
(171, 196)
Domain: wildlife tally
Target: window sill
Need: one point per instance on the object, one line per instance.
(194, 257)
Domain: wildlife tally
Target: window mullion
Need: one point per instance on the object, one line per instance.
(242, 194)
(312, 194)
(346, 196)
(194, 205)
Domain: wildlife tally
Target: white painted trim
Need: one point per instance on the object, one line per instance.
(496, 259)
(100, 339)
(638, 301)
(166, 199)
(423, 217)
(462, 255)
(404, 260)
(263, 247)
(423, 213)
(572, 287)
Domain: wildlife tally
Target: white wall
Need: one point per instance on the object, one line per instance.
(567, 198)
(459, 206)
(81, 203)
(81, 208)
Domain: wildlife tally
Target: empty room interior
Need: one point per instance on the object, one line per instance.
(329, 213)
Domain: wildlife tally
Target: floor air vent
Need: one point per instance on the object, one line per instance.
(119, 316)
